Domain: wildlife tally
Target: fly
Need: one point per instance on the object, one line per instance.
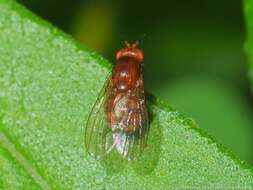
(119, 117)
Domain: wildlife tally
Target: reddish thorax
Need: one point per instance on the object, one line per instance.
(127, 68)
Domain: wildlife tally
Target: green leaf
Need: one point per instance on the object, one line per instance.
(48, 84)
(236, 122)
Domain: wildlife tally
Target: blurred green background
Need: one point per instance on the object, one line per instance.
(194, 55)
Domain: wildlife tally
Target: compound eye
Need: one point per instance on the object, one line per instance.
(139, 54)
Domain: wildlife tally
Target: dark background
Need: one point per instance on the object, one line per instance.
(194, 55)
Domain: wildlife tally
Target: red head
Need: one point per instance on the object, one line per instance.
(130, 51)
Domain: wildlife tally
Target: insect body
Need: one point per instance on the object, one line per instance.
(119, 118)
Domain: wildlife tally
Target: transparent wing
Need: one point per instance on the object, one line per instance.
(131, 144)
(98, 137)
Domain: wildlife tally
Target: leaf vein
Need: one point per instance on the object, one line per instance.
(23, 161)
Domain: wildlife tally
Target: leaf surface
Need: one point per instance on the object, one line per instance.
(48, 84)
